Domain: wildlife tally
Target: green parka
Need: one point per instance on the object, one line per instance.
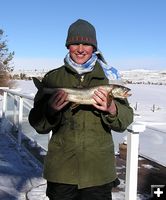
(81, 149)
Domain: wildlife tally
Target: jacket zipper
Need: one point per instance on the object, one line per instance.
(81, 79)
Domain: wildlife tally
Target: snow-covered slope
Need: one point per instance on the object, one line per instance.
(144, 76)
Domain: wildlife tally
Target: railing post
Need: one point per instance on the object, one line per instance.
(20, 119)
(15, 112)
(132, 160)
(4, 106)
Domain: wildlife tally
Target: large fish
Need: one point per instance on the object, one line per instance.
(84, 95)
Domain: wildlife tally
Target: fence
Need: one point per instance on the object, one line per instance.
(22, 100)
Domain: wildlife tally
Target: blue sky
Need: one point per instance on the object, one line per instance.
(130, 33)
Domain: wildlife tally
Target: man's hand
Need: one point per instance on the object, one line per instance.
(104, 102)
(58, 100)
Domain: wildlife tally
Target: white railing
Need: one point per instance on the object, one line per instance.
(132, 160)
(132, 140)
(20, 101)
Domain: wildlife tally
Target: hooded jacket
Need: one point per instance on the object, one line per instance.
(81, 149)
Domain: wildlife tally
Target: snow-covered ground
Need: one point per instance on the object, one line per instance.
(151, 111)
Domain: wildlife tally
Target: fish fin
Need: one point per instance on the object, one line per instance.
(73, 106)
(127, 95)
(109, 99)
(110, 95)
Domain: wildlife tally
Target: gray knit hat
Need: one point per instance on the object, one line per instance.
(81, 32)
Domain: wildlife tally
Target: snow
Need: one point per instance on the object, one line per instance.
(18, 170)
(151, 111)
(145, 76)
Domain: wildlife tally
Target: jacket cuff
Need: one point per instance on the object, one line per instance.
(108, 118)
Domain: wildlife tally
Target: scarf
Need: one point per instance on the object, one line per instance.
(110, 72)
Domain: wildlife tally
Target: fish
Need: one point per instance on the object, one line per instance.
(84, 95)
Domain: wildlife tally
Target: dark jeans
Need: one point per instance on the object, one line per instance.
(58, 191)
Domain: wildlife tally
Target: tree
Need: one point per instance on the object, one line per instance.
(5, 59)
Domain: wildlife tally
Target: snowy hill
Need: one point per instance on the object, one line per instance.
(145, 76)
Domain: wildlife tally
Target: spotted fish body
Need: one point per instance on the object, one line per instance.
(84, 95)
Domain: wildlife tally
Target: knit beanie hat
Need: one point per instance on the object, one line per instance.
(81, 32)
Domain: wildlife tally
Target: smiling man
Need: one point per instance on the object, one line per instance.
(80, 162)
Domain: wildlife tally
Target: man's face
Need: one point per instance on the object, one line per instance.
(80, 53)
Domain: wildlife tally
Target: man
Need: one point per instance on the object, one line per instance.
(80, 162)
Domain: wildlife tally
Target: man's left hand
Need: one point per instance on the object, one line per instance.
(104, 102)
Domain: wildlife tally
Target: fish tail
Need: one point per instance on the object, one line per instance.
(37, 83)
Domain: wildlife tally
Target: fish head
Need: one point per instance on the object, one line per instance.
(120, 92)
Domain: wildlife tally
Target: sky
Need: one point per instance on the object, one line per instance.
(131, 33)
